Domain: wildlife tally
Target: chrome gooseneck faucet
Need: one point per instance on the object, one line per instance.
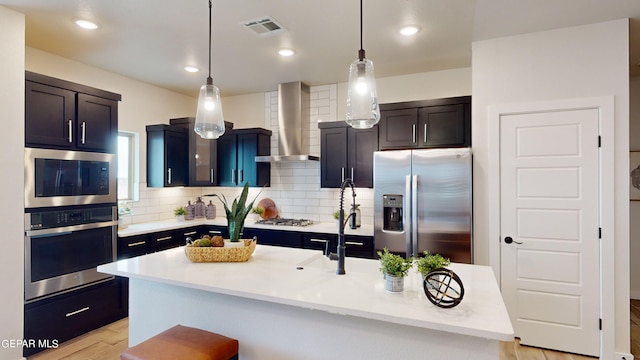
(342, 222)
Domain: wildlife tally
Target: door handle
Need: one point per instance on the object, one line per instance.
(509, 240)
(70, 128)
(84, 132)
(413, 130)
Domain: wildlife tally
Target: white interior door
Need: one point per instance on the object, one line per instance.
(549, 209)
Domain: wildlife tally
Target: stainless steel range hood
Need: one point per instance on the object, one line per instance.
(293, 124)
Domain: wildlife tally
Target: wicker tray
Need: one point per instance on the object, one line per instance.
(221, 254)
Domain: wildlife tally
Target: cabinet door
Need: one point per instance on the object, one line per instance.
(162, 240)
(359, 246)
(275, 237)
(247, 151)
(362, 144)
(97, 123)
(227, 160)
(203, 161)
(132, 246)
(50, 115)
(442, 125)
(321, 241)
(398, 129)
(333, 156)
(175, 158)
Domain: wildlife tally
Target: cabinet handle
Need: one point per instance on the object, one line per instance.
(84, 131)
(318, 240)
(352, 178)
(425, 132)
(169, 176)
(136, 243)
(190, 233)
(353, 243)
(70, 127)
(342, 175)
(413, 129)
(215, 232)
(69, 314)
(164, 238)
(233, 176)
(241, 175)
(212, 176)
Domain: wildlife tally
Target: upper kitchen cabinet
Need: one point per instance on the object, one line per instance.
(203, 154)
(346, 152)
(237, 150)
(166, 156)
(64, 115)
(426, 124)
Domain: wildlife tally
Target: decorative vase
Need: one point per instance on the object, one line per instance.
(394, 284)
(180, 217)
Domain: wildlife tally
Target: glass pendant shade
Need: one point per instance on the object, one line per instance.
(363, 110)
(209, 120)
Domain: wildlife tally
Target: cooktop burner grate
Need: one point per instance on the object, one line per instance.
(285, 222)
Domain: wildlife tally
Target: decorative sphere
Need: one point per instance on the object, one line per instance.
(443, 288)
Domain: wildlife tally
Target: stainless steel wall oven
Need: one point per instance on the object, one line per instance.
(64, 246)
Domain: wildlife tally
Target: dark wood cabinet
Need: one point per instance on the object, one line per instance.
(275, 237)
(203, 153)
(132, 246)
(237, 150)
(64, 115)
(166, 156)
(163, 240)
(66, 316)
(426, 124)
(346, 152)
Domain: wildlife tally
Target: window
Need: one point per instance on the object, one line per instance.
(127, 159)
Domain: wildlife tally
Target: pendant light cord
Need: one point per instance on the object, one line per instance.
(361, 52)
(209, 41)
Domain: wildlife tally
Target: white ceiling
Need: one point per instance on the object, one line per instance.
(152, 40)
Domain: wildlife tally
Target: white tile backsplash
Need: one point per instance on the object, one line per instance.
(295, 186)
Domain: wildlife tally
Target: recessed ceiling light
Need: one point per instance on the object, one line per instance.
(286, 52)
(191, 69)
(409, 30)
(86, 24)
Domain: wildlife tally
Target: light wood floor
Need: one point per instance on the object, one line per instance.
(108, 342)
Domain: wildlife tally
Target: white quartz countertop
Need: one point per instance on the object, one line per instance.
(272, 275)
(319, 227)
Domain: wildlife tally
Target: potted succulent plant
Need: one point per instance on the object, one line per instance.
(395, 268)
(236, 214)
(257, 213)
(180, 212)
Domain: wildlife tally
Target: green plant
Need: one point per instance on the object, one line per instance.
(430, 262)
(394, 265)
(336, 214)
(179, 211)
(257, 210)
(237, 213)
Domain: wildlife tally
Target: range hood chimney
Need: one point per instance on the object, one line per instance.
(293, 124)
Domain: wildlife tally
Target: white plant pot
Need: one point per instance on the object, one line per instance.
(180, 217)
(230, 244)
(394, 284)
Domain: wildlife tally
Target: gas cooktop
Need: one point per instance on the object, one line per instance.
(285, 222)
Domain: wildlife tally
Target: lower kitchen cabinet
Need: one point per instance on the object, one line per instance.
(132, 246)
(275, 237)
(356, 245)
(213, 230)
(163, 240)
(60, 318)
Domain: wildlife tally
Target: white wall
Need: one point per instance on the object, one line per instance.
(576, 62)
(634, 206)
(12, 115)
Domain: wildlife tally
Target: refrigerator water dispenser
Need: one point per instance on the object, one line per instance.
(393, 212)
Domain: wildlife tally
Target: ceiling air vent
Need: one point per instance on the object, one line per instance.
(264, 26)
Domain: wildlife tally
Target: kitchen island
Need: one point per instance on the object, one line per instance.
(287, 303)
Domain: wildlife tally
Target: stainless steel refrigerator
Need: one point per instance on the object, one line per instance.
(423, 201)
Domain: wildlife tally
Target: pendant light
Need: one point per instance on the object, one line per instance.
(209, 121)
(362, 98)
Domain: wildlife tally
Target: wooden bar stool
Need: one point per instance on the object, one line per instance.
(182, 342)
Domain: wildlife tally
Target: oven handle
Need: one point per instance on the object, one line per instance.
(67, 229)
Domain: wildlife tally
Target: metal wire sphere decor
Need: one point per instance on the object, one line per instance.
(443, 288)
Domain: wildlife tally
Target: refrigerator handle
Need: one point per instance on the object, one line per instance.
(414, 215)
(406, 216)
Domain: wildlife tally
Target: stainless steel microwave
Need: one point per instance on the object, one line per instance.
(61, 178)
